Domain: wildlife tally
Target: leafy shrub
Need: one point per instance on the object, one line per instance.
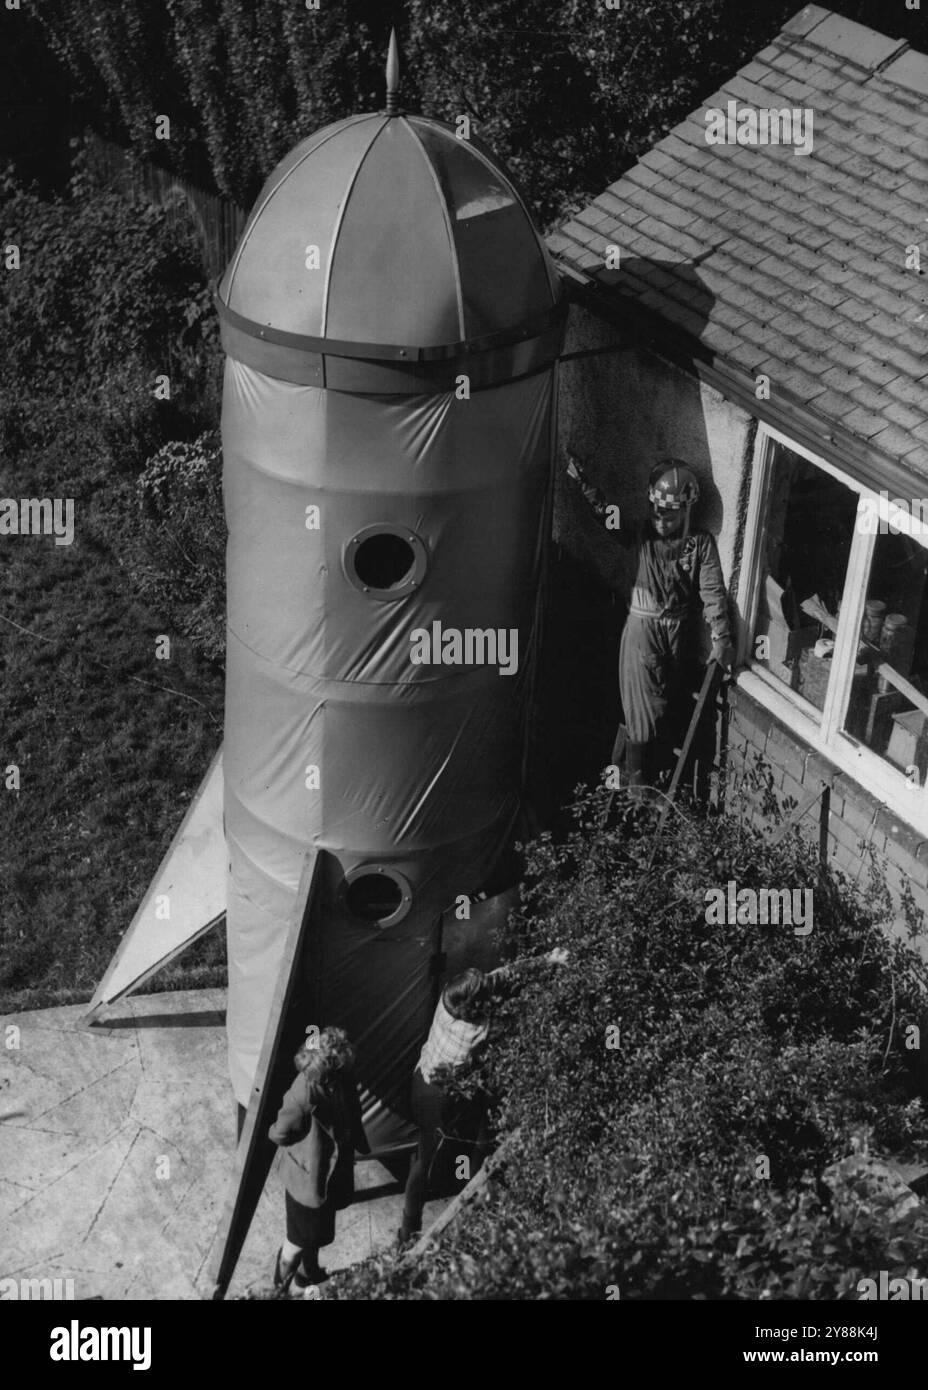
(175, 550)
(105, 282)
(742, 1050)
(243, 82)
(568, 93)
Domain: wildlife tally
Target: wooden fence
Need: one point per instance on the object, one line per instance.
(218, 221)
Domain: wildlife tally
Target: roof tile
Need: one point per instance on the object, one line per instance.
(835, 273)
(592, 215)
(907, 392)
(895, 159)
(829, 403)
(805, 20)
(791, 380)
(860, 420)
(847, 357)
(728, 315)
(878, 372)
(720, 339)
(907, 362)
(894, 440)
(812, 363)
(817, 340)
(888, 180)
(804, 278)
(848, 39)
(869, 398)
(903, 415)
(658, 159)
(828, 294)
(837, 379)
(644, 176)
(909, 70)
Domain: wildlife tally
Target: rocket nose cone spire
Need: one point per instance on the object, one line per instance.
(393, 76)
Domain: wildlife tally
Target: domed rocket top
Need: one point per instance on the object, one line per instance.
(386, 238)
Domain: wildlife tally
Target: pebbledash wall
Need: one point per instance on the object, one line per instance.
(620, 408)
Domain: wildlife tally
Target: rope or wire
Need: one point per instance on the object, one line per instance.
(95, 661)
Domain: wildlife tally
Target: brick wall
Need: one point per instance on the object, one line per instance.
(766, 761)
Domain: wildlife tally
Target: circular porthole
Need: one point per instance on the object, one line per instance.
(385, 561)
(376, 894)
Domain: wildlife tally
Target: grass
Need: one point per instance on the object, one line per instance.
(110, 743)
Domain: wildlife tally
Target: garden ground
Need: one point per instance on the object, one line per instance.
(116, 1146)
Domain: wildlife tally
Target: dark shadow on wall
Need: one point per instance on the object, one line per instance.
(621, 409)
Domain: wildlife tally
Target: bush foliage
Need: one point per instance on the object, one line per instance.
(105, 283)
(241, 83)
(569, 92)
(179, 557)
(641, 1167)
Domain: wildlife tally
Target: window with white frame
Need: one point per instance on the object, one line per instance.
(835, 608)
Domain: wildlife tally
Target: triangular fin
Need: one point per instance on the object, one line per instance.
(190, 884)
(294, 1007)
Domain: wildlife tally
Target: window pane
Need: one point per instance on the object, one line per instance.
(810, 527)
(894, 632)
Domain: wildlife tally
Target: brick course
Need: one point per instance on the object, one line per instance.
(857, 821)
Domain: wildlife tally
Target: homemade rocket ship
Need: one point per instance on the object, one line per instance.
(391, 322)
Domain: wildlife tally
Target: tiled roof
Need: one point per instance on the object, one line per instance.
(787, 264)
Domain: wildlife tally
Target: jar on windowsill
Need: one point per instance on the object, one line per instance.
(872, 625)
(897, 647)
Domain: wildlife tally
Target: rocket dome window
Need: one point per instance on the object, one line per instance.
(385, 561)
(376, 894)
(471, 187)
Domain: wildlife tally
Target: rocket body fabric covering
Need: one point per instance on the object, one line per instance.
(369, 499)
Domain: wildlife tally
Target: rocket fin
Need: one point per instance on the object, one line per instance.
(191, 880)
(301, 997)
(294, 1006)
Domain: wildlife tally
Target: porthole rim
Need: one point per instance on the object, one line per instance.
(396, 876)
(386, 528)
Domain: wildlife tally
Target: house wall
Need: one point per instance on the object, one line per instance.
(621, 411)
(858, 824)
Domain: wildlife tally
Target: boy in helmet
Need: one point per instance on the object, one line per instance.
(675, 566)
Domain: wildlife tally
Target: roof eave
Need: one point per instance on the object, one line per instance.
(785, 412)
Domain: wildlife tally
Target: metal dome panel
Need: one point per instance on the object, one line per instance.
(394, 271)
(500, 258)
(426, 251)
(300, 206)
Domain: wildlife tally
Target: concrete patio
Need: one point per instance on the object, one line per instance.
(116, 1143)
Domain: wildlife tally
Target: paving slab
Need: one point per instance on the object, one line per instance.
(116, 1145)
